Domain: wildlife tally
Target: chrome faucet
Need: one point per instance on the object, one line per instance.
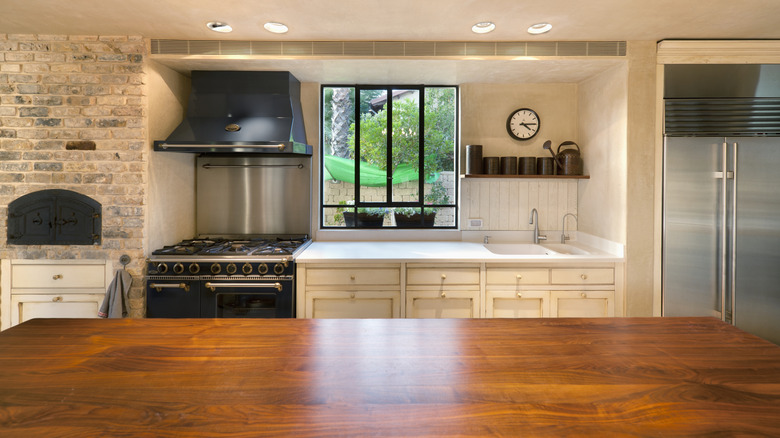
(535, 222)
(486, 240)
(564, 237)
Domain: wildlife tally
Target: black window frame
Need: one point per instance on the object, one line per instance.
(389, 187)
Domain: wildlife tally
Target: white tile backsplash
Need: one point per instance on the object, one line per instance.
(505, 204)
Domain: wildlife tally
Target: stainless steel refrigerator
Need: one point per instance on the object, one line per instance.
(721, 218)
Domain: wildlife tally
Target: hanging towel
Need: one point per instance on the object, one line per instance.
(115, 303)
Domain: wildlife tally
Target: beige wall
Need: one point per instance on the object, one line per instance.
(602, 120)
(171, 215)
(640, 213)
(485, 108)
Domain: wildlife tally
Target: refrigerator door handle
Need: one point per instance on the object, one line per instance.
(723, 231)
(733, 258)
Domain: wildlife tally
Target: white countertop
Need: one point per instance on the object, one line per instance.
(432, 251)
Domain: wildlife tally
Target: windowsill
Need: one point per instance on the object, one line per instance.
(423, 234)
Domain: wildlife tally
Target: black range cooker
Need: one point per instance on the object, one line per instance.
(224, 278)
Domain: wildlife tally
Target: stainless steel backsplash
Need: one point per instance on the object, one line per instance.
(253, 195)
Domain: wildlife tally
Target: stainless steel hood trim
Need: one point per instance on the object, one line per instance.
(236, 147)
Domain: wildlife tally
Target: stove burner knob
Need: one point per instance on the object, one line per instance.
(246, 269)
(262, 269)
(231, 268)
(215, 268)
(194, 268)
(279, 268)
(162, 268)
(178, 268)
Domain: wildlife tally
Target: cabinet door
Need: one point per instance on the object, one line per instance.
(582, 304)
(517, 304)
(353, 304)
(442, 303)
(26, 307)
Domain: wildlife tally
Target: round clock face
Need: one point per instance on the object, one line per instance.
(523, 124)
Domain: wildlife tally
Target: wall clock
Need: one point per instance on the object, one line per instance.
(522, 124)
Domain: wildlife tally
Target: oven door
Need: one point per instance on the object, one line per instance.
(172, 297)
(248, 298)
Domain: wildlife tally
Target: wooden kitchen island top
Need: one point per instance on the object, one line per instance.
(608, 377)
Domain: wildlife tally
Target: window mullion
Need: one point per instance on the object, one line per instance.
(421, 146)
(389, 142)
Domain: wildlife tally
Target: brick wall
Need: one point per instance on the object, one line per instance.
(72, 116)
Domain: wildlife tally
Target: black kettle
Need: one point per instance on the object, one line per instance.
(569, 160)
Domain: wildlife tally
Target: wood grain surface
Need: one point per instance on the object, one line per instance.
(610, 377)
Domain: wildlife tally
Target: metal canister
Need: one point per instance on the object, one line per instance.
(526, 166)
(490, 166)
(473, 159)
(545, 166)
(508, 165)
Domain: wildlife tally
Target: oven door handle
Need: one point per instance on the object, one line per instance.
(160, 286)
(214, 286)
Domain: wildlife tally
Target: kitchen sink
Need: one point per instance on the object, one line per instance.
(519, 249)
(565, 248)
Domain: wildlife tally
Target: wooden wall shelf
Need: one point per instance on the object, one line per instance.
(529, 176)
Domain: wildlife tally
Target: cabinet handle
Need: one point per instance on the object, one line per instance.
(584, 277)
(444, 295)
(56, 299)
(352, 296)
(519, 295)
(352, 277)
(56, 276)
(583, 295)
(443, 276)
(519, 277)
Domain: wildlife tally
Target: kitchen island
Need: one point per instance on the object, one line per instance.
(387, 377)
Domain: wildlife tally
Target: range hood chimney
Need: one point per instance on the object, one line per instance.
(241, 112)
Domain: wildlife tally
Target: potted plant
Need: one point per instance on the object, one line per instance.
(407, 217)
(369, 217)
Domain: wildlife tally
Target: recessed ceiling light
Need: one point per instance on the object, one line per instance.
(275, 27)
(483, 27)
(218, 26)
(539, 28)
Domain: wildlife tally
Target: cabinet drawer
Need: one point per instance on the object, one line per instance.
(445, 275)
(353, 276)
(45, 276)
(517, 276)
(583, 276)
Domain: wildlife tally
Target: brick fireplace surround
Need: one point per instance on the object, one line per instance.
(73, 116)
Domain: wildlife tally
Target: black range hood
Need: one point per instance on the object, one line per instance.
(241, 112)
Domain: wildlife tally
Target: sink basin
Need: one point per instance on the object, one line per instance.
(565, 248)
(518, 249)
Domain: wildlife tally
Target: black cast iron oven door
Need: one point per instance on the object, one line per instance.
(172, 297)
(269, 297)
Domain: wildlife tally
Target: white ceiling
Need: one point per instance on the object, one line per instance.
(403, 20)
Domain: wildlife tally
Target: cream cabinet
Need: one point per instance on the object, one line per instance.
(341, 291)
(517, 292)
(520, 291)
(460, 290)
(52, 289)
(443, 291)
(582, 304)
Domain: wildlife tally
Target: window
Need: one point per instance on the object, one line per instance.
(378, 170)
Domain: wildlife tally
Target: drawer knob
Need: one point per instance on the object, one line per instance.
(519, 277)
(583, 295)
(443, 276)
(352, 296)
(56, 299)
(352, 277)
(519, 295)
(443, 295)
(56, 276)
(584, 277)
